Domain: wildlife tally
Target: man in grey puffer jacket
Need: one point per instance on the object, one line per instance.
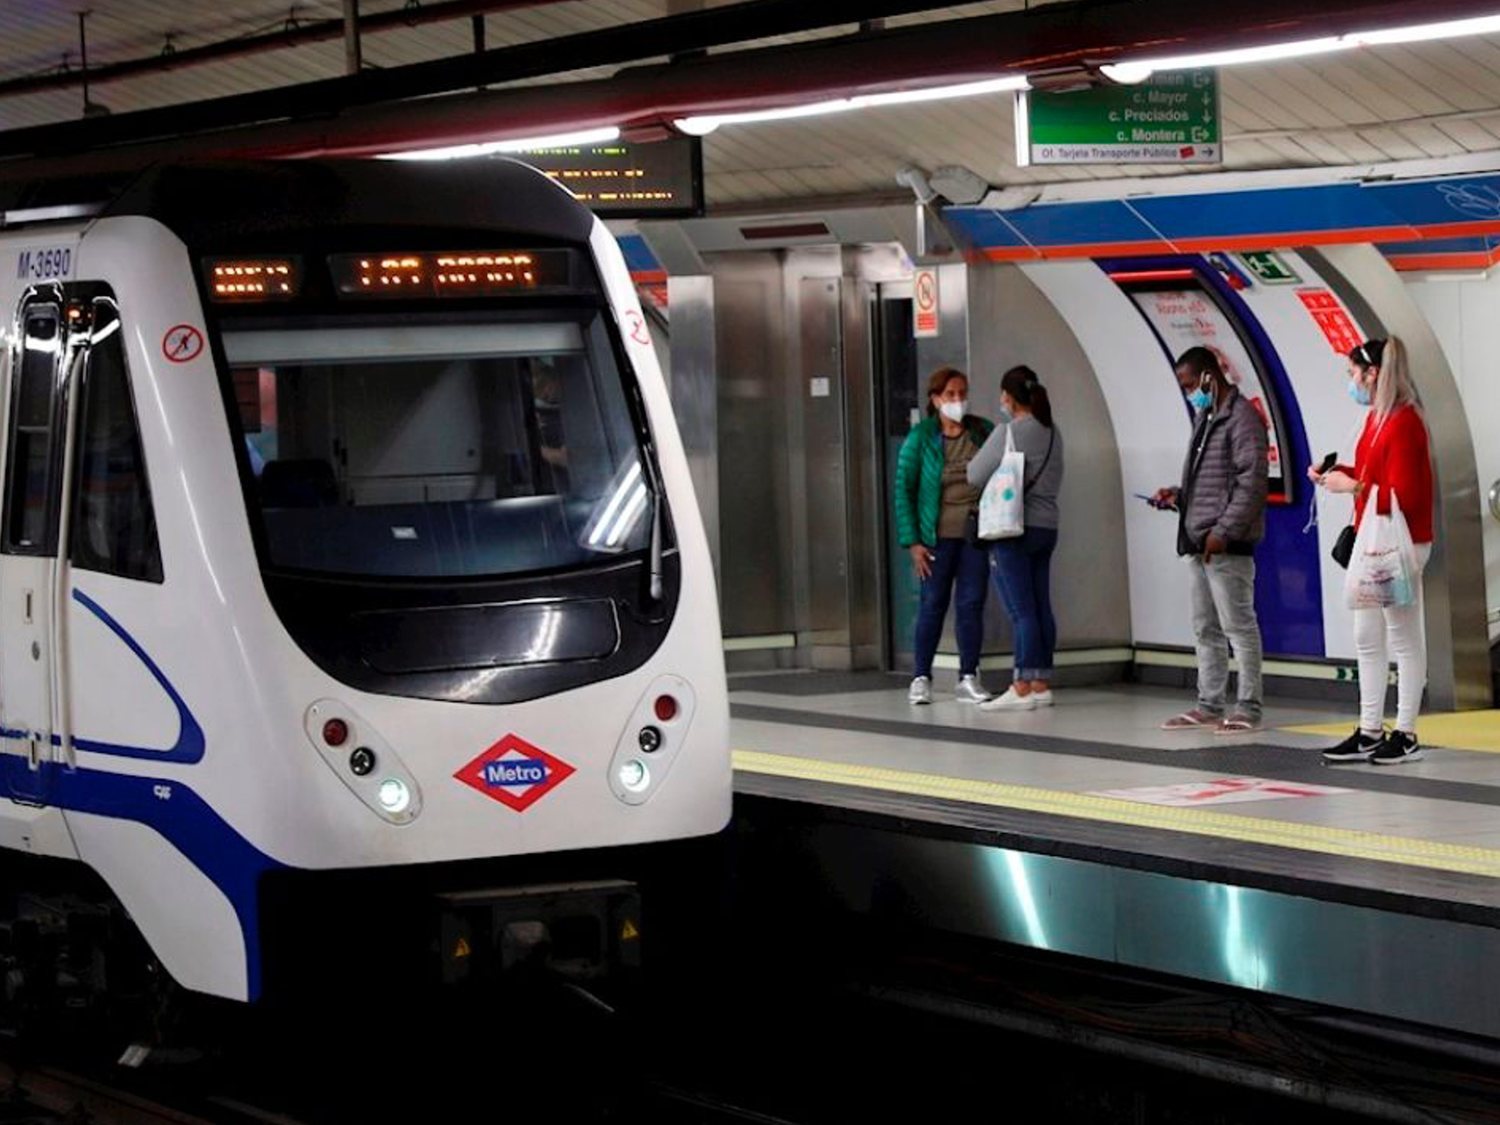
(1221, 506)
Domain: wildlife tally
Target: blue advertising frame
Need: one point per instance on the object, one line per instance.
(1288, 580)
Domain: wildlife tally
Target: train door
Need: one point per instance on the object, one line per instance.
(36, 402)
(75, 496)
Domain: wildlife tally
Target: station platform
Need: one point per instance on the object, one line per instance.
(1085, 829)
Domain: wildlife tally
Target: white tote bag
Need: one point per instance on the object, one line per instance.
(1002, 507)
(1383, 570)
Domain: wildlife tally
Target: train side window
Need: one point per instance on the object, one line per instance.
(30, 514)
(114, 526)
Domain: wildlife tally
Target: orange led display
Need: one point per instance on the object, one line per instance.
(252, 279)
(459, 273)
(450, 274)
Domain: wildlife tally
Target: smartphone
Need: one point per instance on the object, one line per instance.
(1148, 499)
(1328, 462)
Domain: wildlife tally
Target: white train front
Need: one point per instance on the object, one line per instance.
(345, 526)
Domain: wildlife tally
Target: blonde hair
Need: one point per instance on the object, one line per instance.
(1394, 388)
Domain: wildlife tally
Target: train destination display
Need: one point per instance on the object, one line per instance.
(621, 179)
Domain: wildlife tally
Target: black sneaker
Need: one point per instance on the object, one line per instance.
(1358, 747)
(1398, 747)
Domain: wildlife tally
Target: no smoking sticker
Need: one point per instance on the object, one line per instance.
(925, 292)
(182, 343)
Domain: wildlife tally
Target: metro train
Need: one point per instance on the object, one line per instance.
(346, 529)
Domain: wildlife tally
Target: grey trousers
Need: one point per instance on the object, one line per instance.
(1224, 614)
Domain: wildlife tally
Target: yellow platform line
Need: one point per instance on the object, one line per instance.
(1455, 730)
(1325, 839)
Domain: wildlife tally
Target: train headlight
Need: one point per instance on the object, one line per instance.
(363, 760)
(634, 776)
(394, 796)
(657, 732)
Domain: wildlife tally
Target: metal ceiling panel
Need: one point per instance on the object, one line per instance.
(1392, 103)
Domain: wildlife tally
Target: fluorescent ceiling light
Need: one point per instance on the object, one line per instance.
(1135, 71)
(1450, 29)
(702, 126)
(519, 145)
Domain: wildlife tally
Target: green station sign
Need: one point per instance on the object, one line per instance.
(1172, 118)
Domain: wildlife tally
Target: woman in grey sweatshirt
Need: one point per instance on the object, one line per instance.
(1022, 567)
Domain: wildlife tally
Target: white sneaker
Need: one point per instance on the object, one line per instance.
(920, 690)
(1043, 698)
(1010, 701)
(970, 690)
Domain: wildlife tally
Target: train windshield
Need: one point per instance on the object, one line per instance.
(430, 448)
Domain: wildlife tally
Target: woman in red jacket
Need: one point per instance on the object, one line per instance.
(1391, 456)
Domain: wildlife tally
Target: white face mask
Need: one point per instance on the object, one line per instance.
(955, 411)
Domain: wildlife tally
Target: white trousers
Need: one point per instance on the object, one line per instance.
(1381, 635)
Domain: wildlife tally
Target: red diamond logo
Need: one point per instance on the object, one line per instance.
(515, 773)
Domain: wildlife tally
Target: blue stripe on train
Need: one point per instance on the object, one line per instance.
(170, 808)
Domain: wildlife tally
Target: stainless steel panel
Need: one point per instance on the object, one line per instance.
(695, 395)
(801, 512)
(1458, 659)
(821, 389)
(1401, 966)
(755, 491)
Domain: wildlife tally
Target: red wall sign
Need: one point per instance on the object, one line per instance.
(1338, 329)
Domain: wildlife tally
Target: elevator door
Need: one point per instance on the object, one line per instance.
(825, 491)
(899, 402)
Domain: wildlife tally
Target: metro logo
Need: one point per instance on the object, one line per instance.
(515, 773)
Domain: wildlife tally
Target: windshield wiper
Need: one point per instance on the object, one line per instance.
(655, 588)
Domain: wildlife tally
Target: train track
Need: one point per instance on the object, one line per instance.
(703, 1108)
(42, 1094)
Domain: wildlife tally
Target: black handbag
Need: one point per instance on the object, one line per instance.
(1343, 549)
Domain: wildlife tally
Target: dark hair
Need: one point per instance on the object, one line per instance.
(1369, 354)
(1200, 360)
(938, 381)
(1021, 383)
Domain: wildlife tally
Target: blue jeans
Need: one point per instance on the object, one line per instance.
(954, 560)
(1023, 578)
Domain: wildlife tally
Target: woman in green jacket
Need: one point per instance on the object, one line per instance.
(934, 500)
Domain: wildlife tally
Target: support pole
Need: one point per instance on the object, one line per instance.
(353, 60)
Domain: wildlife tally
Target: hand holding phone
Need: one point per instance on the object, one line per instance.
(1316, 474)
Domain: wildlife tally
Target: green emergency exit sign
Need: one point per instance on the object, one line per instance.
(1172, 118)
(1269, 267)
